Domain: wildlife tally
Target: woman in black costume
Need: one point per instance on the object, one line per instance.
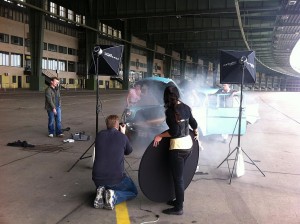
(178, 118)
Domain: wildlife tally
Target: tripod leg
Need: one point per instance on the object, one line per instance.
(226, 158)
(235, 159)
(81, 157)
(253, 163)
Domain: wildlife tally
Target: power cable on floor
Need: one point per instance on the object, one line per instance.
(147, 210)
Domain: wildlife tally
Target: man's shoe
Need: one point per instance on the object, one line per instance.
(98, 202)
(50, 135)
(173, 211)
(60, 135)
(110, 199)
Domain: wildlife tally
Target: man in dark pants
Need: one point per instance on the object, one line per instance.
(53, 107)
(113, 185)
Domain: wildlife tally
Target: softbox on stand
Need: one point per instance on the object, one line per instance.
(237, 67)
(232, 64)
(106, 60)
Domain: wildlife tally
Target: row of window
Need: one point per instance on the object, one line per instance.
(13, 14)
(4, 38)
(60, 49)
(16, 60)
(61, 11)
(12, 59)
(65, 13)
(138, 64)
(62, 80)
(59, 65)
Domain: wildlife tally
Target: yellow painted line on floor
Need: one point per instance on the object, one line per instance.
(122, 213)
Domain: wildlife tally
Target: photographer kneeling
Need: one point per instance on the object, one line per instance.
(113, 185)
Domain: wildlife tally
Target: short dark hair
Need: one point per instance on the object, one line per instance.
(112, 121)
(53, 78)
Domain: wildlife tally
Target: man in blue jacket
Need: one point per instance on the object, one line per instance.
(113, 185)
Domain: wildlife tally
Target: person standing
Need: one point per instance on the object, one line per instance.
(226, 100)
(112, 183)
(226, 90)
(53, 107)
(178, 118)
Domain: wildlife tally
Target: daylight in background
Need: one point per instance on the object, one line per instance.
(294, 58)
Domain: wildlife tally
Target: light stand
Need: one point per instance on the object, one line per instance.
(238, 148)
(97, 51)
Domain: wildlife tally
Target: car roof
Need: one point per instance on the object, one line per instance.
(208, 90)
(161, 80)
(158, 79)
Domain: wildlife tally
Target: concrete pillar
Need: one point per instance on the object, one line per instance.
(150, 57)
(205, 71)
(182, 65)
(36, 30)
(168, 63)
(285, 84)
(126, 54)
(272, 83)
(259, 81)
(266, 84)
(195, 67)
(91, 41)
(279, 83)
(215, 73)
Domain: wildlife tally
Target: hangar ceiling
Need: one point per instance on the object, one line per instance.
(202, 28)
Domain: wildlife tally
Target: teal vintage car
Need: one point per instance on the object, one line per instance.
(215, 113)
(146, 118)
(219, 113)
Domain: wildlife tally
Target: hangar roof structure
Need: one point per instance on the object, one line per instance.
(202, 28)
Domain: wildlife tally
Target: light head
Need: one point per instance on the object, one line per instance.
(98, 50)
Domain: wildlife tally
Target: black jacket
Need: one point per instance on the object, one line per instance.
(185, 113)
(110, 147)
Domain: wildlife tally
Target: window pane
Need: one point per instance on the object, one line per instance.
(16, 40)
(4, 38)
(52, 47)
(62, 65)
(71, 66)
(16, 60)
(4, 58)
(44, 63)
(53, 8)
(52, 64)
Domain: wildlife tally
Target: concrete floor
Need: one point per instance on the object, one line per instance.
(36, 186)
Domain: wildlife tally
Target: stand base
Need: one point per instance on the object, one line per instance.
(81, 157)
(237, 149)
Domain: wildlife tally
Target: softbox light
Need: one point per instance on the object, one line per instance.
(107, 58)
(234, 63)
